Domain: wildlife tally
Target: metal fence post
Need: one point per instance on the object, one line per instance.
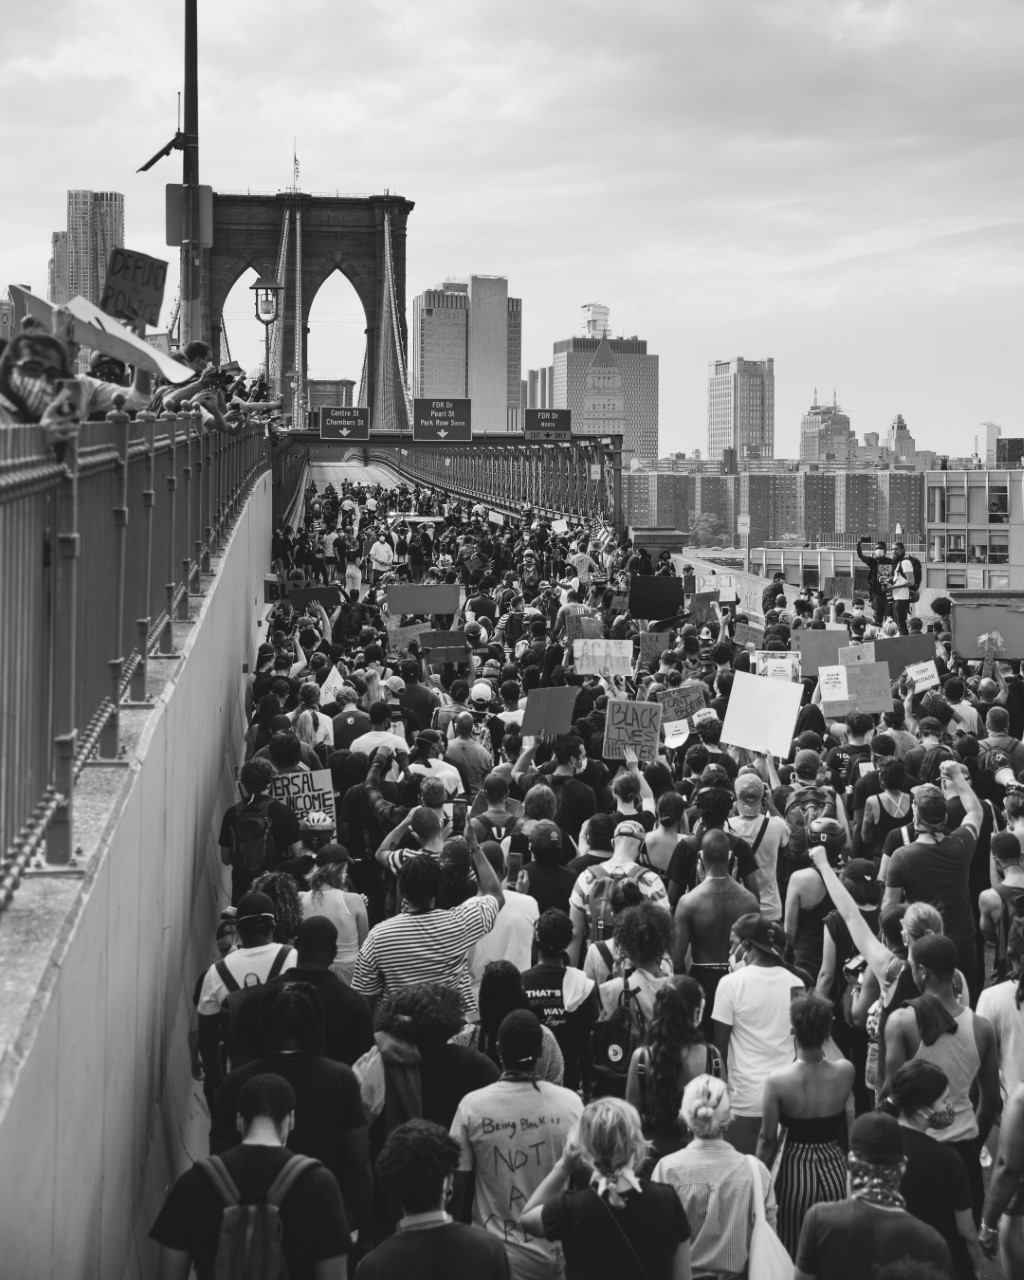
(186, 519)
(59, 831)
(170, 420)
(111, 733)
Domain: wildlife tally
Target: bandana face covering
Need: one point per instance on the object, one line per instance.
(940, 1119)
(35, 393)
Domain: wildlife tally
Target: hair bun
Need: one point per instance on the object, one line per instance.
(704, 1111)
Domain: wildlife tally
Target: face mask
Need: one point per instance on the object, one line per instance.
(736, 958)
(940, 1119)
(35, 393)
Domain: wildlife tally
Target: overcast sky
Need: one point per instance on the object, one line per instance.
(835, 184)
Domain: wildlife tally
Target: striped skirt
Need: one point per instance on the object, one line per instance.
(809, 1173)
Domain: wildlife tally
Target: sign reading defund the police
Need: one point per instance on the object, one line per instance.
(134, 287)
(305, 791)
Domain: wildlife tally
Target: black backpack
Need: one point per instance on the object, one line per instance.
(613, 1041)
(249, 1243)
(240, 1029)
(252, 839)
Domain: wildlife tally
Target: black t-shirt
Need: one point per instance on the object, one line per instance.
(936, 1187)
(348, 1023)
(349, 725)
(551, 886)
(848, 1240)
(451, 1252)
(576, 802)
(328, 1105)
(683, 865)
(869, 785)
(421, 701)
(646, 1233)
(313, 1223)
(447, 1074)
(940, 874)
(543, 988)
(284, 832)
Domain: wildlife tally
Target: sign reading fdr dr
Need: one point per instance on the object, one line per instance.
(443, 420)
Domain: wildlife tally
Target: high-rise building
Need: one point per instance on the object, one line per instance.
(595, 319)
(986, 444)
(466, 341)
(95, 228)
(900, 442)
(610, 384)
(11, 314)
(826, 435)
(741, 408)
(57, 272)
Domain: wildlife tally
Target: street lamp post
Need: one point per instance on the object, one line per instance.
(267, 291)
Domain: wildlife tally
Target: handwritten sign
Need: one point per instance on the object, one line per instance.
(331, 687)
(445, 646)
(925, 675)
(861, 687)
(399, 638)
(304, 791)
(777, 666)
(746, 634)
(603, 657)
(680, 704)
(761, 714)
(579, 627)
(495, 517)
(620, 601)
(838, 588)
(559, 526)
(631, 724)
(701, 610)
(549, 710)
(652, 645)
(134, 287)
(852, 654)
(418, 598)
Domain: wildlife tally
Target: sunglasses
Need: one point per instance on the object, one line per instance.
(36, 368)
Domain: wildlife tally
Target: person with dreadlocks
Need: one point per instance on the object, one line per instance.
(848, 1240)
(511, 1135)
(619, 1224)
(713, 802)
(501, 992)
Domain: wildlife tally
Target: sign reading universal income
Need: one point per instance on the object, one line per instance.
(442, 420)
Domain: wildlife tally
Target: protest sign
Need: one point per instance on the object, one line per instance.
(719, 582)
(762, 714)
(631, 724)
(817, 648)
(655, 597)
(746, 634)
(680, 704)
(549, 710)
(304, 791)
(559, 526)
(777, 666)
(134, 287)
(620, 601)
(853, 654)
(419, 598)
(839, 588)
(901, 651)
(579, 627)
(331, 687)
(400, 637)
(298, 594)
(861, 687)
(495, 517)
(925, 675)
(652, 645)
(677, 733)
(603, 657)
(701, 610)
(444, 646)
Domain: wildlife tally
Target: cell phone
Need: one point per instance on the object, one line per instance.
(513, 866)
(458, 817)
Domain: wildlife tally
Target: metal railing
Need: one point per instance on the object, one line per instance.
(100, 550)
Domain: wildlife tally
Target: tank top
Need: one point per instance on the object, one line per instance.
(957, 1055)
(810, 936)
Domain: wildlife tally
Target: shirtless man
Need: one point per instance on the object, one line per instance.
(704, 918)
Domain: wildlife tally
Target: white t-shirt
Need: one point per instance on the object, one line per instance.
(510, 939)
(448, 774)
(999, 1005)
(755, 1002)
(369, 742)
(249, 966)
(776, 837)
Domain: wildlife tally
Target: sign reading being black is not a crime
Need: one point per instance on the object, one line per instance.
(443, 420)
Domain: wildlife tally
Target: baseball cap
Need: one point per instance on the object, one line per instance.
(634, 830)
(876, 1138)
(749, 784)
(930, 727)
(807, 764)
(766, 935)
(809, 741)
(254, 906)
(481, 692)
(332, 853)
(473, 629)
(492, 668)
(705, 633)
(395, 683)
(931, 804)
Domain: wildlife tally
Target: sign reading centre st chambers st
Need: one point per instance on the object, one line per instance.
(345, 423)
(443, 420)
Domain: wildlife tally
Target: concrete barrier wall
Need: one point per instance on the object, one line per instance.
(93, 1104)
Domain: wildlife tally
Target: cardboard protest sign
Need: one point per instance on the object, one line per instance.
(901, 651)
(559, 526)
(549, 710)
(777, 666)
(620, 601)
(419, 598)
(853, 654)
(652, 645)
(495, 517)
(603, 657)
(761, 715)
(680, 704)
(329, 597)
(631, 724)
(862, 687)
(841, 588)
(746, 634)
(817, 648)
(304, 791)
(331, 687)
(579, 627)
(700, 607)
(655, 597)
(444, 646)
(399, 637)
(925, 675)
(134, 287)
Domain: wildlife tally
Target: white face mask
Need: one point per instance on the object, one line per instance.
(738, 958)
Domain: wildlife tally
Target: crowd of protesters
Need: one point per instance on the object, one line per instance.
(520, 1009)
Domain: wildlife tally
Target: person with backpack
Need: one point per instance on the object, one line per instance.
(906, 584)
(259, 1210)
(999, 743)
(256, 960)
(590, 907)
(258, 832)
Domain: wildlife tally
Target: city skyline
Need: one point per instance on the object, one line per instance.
(851, 208)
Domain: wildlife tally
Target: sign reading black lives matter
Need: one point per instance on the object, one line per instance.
(134, 287)
(444, 420)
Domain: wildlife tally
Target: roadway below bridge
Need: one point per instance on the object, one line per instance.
(338, 473)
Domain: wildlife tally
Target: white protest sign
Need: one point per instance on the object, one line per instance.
(631, 724)
(777, 666)
(833, 684)
(865, 686)
(332, 686)
(399, 637)
(603, 657)
(925, 675)
(852, 654)
(495, 517)
(305, 791)
(559, 526)
(762, 714)
(676, 733)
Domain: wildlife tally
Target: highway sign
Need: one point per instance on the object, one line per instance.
(548, 424)
(743, 524)
(444, 420)
(345, 423)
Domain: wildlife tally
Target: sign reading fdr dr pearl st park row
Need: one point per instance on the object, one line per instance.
(443, 420)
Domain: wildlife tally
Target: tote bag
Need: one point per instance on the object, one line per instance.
(768, 1257)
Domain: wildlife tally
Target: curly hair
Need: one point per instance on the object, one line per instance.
(933, 759)
(419, 880)
(811, 1018)
(672, 1031)
(644, 934)
(425, 1014)
(414, 1163)
(713, 804)
(553, 931)
(282, 891)
(501, 992)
